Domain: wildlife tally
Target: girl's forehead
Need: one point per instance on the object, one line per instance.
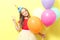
(23, 10)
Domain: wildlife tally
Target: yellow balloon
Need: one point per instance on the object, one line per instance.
(51, 37)
(57, 4)
(54, 32)
(55, 29)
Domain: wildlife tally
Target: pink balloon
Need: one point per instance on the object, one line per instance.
(48, 17)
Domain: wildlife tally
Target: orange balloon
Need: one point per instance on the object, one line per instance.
(34, 24)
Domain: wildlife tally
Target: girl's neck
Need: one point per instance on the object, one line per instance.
(25, 17)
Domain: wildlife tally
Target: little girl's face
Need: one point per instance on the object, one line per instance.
(24, 12)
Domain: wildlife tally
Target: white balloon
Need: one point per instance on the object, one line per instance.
(37, 12)
(26, 35)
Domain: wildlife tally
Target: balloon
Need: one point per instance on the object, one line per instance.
(48, 17)
(37, 12)
(34, 24)
(57, 4)
(54, 32)
(55, 26)
(57, 12)
(48, 3)
(50, 36)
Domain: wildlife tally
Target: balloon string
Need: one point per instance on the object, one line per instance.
(42, 35)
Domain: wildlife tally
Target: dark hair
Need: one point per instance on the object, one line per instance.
(22, 17)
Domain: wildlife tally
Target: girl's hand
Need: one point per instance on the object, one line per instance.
(17, 25)
(18, 29)
(42, 35)
(14, 19)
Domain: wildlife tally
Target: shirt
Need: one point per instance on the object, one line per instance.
(25, 26)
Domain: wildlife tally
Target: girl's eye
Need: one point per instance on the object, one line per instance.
(22, 12)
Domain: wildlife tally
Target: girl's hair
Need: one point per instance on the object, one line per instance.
(22, 17)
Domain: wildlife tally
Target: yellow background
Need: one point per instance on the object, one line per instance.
(7, 10)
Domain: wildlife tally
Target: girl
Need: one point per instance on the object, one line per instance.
(25, 34)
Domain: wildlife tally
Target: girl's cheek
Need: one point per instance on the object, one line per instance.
(23, 14)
